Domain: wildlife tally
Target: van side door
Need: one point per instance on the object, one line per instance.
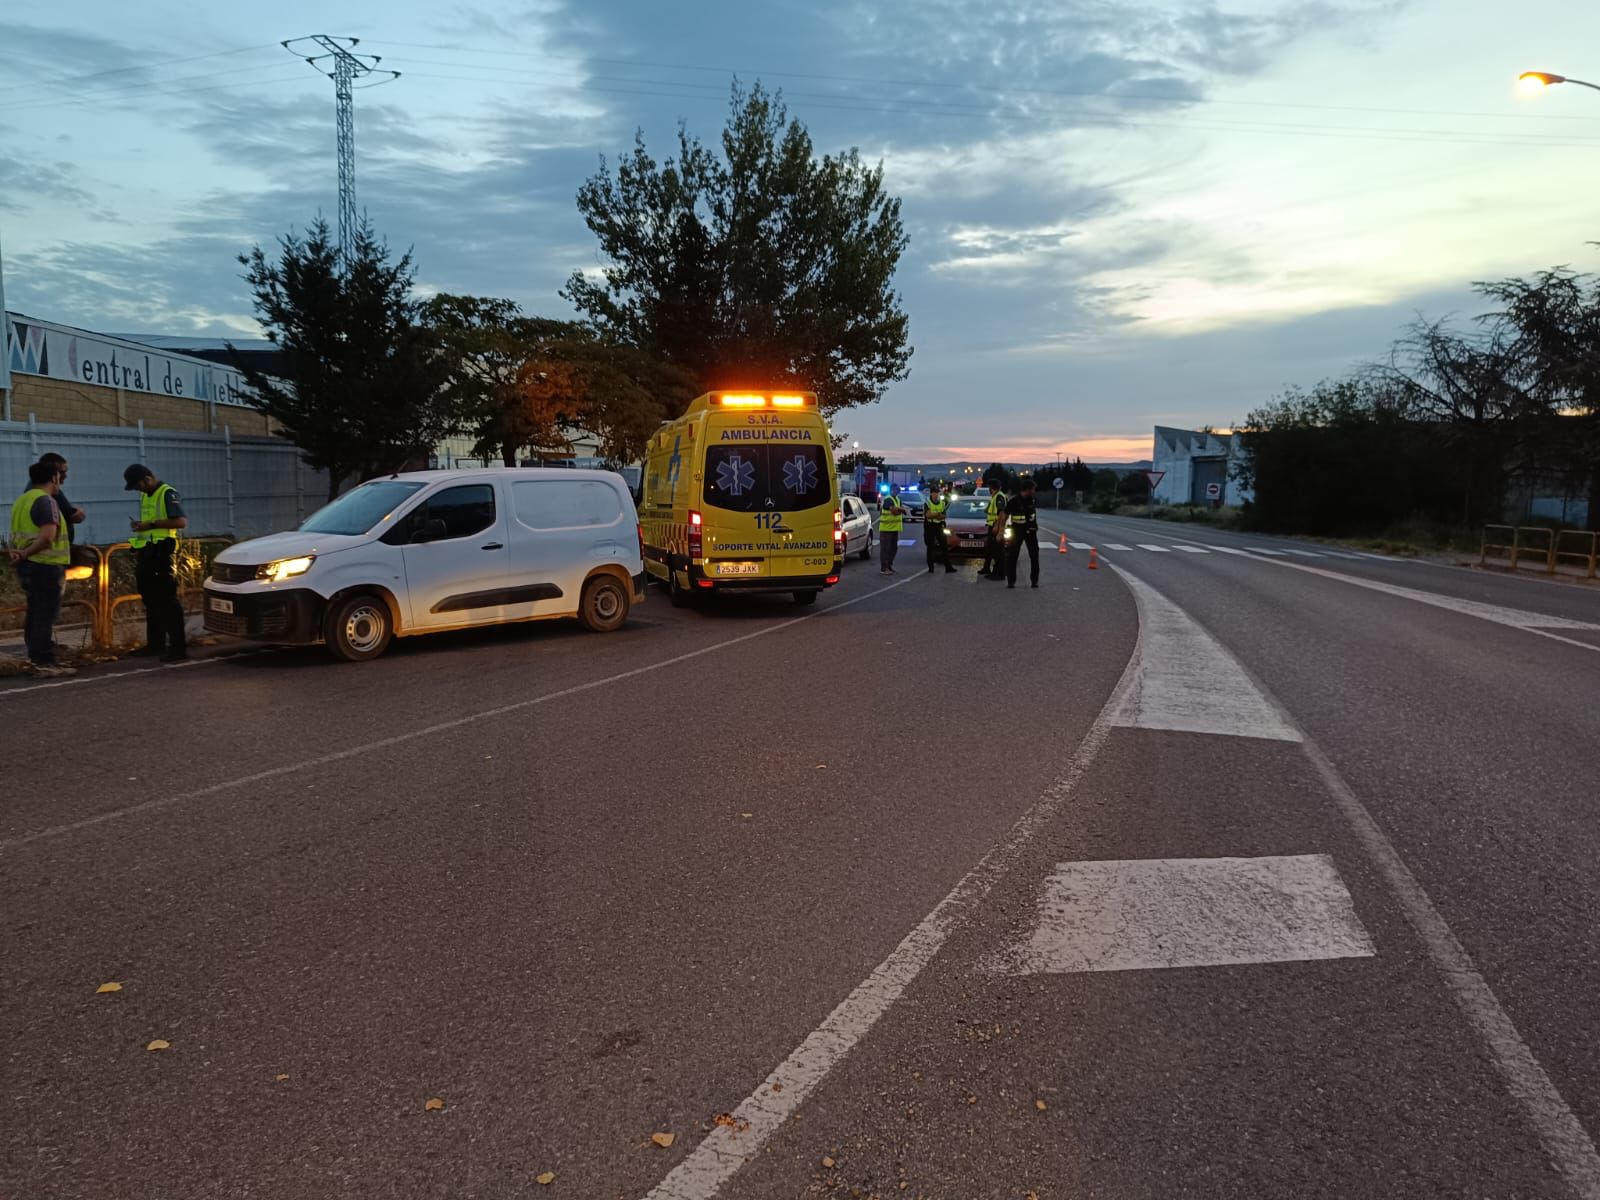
(454, 546)
(561, 529)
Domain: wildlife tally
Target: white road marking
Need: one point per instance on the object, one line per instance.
(1157, 549)
(1264, 550)
(1304, 553)
(1230, 550)
(1188, 682)
(1080, 545)
(718, 1158)
(400, 739)
(116, 676)
(1188, 912)
(1564, 1138)
(1113, 546)
(1193, 549)
(1515, 618)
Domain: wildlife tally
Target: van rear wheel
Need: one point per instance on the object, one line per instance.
(809, 597)
(358, 628)
(680, 596)
(604, 606)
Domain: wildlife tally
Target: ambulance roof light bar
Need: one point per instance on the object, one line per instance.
(754, 400)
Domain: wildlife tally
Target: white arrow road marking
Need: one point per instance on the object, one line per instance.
(1188, 912)
(1186, 681)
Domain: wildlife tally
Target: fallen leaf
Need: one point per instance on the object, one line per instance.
(546, 1179)
(729, 1121)
(433, 1105)
(1035, 1195)
(747, 816)
(828, 1162)
(777, 1087)
(1040, 1105)
(280, 1078)
(158, 1044)
(972, 1099)
(663, 1139)
(820, 767)
(108, 987)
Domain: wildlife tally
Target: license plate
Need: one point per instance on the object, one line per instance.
(729, 568)
(218, 604)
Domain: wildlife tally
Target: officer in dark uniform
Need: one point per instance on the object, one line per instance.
(1022, 519)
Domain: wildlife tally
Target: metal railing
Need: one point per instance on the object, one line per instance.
(1542, 548)
(102, 610)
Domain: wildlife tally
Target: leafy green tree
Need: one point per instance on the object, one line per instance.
(359, 389)
(763, 264)
(862, 458)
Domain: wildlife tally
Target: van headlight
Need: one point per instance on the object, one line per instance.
(284, 568)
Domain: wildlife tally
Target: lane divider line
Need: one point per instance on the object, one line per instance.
(724, 1151)
(401, 739)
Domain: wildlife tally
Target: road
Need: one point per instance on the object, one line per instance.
(1229, 868)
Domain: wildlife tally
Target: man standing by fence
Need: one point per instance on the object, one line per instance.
(155, 543)
(40, 549)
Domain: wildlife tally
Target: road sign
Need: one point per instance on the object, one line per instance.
(1155, 477)
(1213, 491)
(1058, 483)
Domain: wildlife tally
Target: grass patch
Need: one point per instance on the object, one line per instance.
(1186, 514)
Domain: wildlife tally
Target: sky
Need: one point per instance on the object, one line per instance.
(1122, 213)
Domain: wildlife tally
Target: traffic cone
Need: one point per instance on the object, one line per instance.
(1062, 548)
(1094, 559)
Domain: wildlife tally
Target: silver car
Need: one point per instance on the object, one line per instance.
(856, 519)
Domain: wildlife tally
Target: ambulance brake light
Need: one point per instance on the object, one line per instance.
(696, 535)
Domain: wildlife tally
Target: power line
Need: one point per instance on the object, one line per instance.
(121, 91)
(1071, 93)
(340, 63)
(66, 80)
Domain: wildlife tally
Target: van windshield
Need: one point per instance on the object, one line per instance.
(767, 478)
(358, 511)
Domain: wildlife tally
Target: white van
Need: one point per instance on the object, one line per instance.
(428, 551)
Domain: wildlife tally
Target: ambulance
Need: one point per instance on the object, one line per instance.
(740, 495)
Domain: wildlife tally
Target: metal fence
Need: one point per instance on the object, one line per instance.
(1537, 547)
(239, 487)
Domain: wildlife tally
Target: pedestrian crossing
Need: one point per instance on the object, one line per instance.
(1246, 551)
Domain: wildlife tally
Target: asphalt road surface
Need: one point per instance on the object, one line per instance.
(1234, 867)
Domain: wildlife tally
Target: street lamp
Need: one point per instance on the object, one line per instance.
(1533, 82)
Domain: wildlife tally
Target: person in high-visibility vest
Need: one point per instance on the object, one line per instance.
(933, 529)
(38, 546)
(155, 544)
(994, 547)
(1023, 528)
(891, 520)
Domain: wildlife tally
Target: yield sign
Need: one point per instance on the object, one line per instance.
(1155, 477)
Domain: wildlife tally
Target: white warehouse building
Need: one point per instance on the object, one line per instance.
(1197, 467)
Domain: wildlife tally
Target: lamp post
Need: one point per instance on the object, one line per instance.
(1534, 82)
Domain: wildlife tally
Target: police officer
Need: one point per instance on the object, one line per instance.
(891, 520)
(38, 546)
(994, 548)
(1023, 519)
(933, 529)
(155, 544)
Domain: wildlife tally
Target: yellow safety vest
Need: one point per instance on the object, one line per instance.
(153, 507)
(936, 509)
(23, 531)
(997, 505)
(890, 518)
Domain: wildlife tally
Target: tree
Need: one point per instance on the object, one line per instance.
(765, 264)
(1079, 477)
(1134, 487)
(359, 391)
(859, 458)
(534, 383)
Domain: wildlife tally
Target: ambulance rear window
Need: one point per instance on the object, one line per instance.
(755, 478)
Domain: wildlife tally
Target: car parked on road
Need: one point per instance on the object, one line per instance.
(966, 525)
(915, 504)
(428, 551)
(856, 520)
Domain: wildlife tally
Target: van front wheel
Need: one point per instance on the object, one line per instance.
(358, 628)
(604, 606)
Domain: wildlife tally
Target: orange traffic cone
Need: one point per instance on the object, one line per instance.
(1062, 549)
(1094, 559)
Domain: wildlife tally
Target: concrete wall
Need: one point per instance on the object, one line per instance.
(1191, 457)
(60, 401)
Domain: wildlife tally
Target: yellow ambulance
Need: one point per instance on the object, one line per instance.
(739, 494)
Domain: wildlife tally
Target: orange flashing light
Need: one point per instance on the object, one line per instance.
(742, 401)
(788, 401)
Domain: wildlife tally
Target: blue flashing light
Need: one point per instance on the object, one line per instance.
(884, 488)
(911, 487)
